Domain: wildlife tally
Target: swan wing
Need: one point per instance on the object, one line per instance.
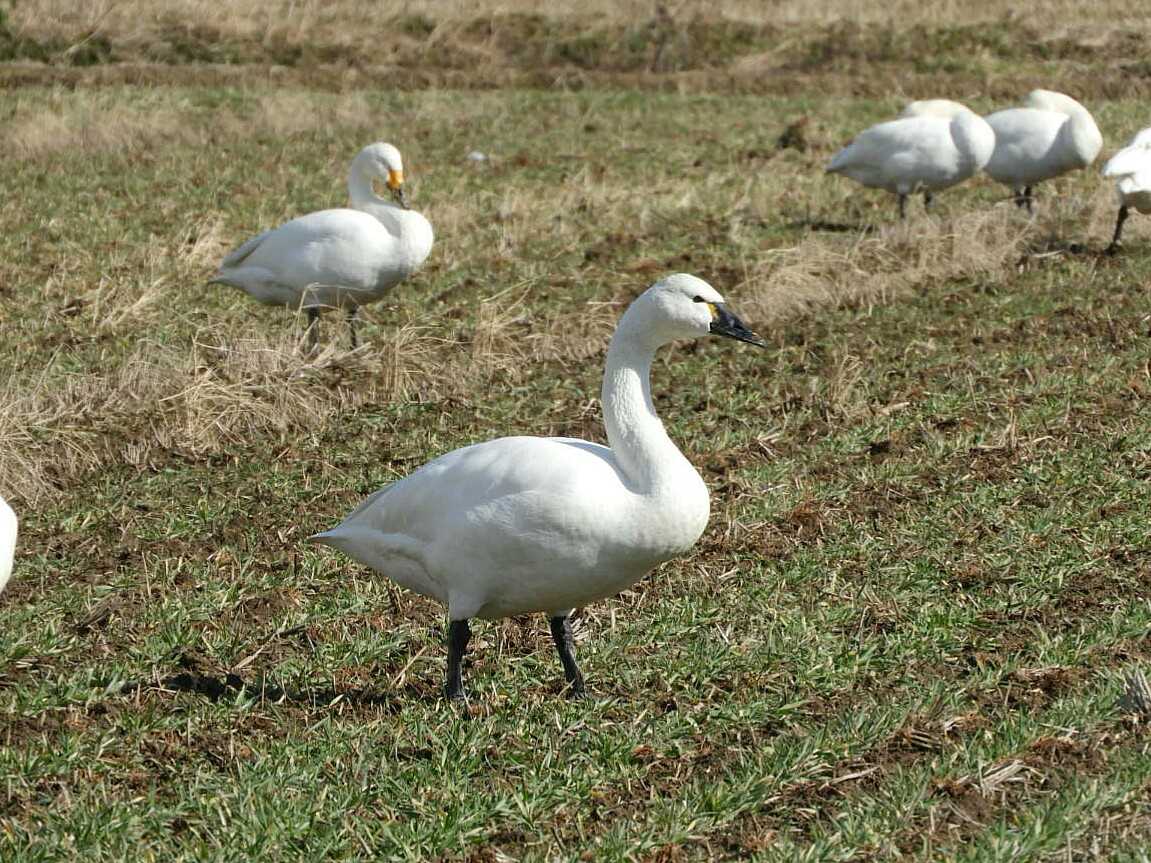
(326, 258)
(493, 519)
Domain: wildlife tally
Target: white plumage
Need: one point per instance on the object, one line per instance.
(1131, 167)
(938, 144)
(8, 528)
(525, 524)
(1049, 136)
(341, 258)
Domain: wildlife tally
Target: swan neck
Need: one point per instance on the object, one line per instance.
(641, 446)
(411, 229)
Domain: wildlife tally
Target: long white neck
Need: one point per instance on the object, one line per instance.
(412, 231)
(644, 452)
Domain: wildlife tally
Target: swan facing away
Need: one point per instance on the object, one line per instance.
(936, 144)
(525, 524)
(337, 259)
(1050, 135)
(8, 526)
(1131, 167)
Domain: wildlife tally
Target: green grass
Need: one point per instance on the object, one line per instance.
(905, 631)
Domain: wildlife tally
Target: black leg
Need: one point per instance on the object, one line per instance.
(1027, 199)
(902, 207)
(927, 199)
(350, 315)
(1114, 247)
(562, 635)
(458, 636)
(1017, 194)
(313, 328)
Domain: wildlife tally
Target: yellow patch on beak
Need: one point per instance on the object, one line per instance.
(714, 310)
(395, 179)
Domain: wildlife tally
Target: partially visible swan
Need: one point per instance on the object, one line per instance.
(340, 258)
(524, 524)
(1131, 166)
(945, 108)
(8, 526)
(1050, 135)
(941, 144)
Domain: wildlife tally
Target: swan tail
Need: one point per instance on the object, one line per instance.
(1127, 161)
(238, 255)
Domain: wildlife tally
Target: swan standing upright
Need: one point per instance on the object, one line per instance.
(8, 527)
(341, 258)
(525, 524)
(1049, 136)
(1131, 167)
(938, 145)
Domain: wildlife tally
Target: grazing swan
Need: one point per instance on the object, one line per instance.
(524, 524)
(1131, 166)
(337, 258)
(928, 151)
(7, 541)
(1051, 135)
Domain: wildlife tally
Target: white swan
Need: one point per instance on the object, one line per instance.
(340, 258)
(8, 526)
(525, 524)
(1051, 135)
(945, 108)
(1131, 166)
(941, 144)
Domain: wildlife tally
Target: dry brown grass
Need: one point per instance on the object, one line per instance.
(311, 19)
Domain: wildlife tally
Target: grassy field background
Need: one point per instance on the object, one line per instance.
(908, 627)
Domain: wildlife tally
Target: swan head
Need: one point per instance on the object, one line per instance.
(383, 161)
(682, 306)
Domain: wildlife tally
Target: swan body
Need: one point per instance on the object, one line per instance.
(340, 258)
(525, 524)
(8, 527)
(922, 152)
(1050, 135)
(944, 108)
(1131, 167)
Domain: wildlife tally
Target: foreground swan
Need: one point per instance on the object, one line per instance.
(938, 145)
(524, 524)
(7, 541)
(1131, 166)
(337, 258)
(1051, 135)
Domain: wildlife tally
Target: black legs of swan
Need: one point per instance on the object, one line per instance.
(927, 199)
(459, 634)
(902, 207)
(1023, 198)
(562, 635)
(350, 316)
(1114, 247)
(313, 328)
(458, 637)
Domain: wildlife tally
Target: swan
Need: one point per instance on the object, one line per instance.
(937, 146)
(8, 526)
(341, 258)
(1050, 135)
(524, 524)
(1131, 166)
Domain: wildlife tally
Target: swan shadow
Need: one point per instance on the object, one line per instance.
(229, 685)
(824, 226)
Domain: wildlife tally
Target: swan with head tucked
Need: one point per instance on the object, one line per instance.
(1131, 167)
(524, 524)
(341, 258)
(1050, 135)
(940, 143)
(8, 527)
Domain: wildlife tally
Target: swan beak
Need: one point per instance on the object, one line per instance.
(396, 184)
(724, 323)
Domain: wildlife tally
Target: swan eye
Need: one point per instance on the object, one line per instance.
(698, 299)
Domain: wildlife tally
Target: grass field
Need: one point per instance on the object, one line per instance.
(908, 628)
